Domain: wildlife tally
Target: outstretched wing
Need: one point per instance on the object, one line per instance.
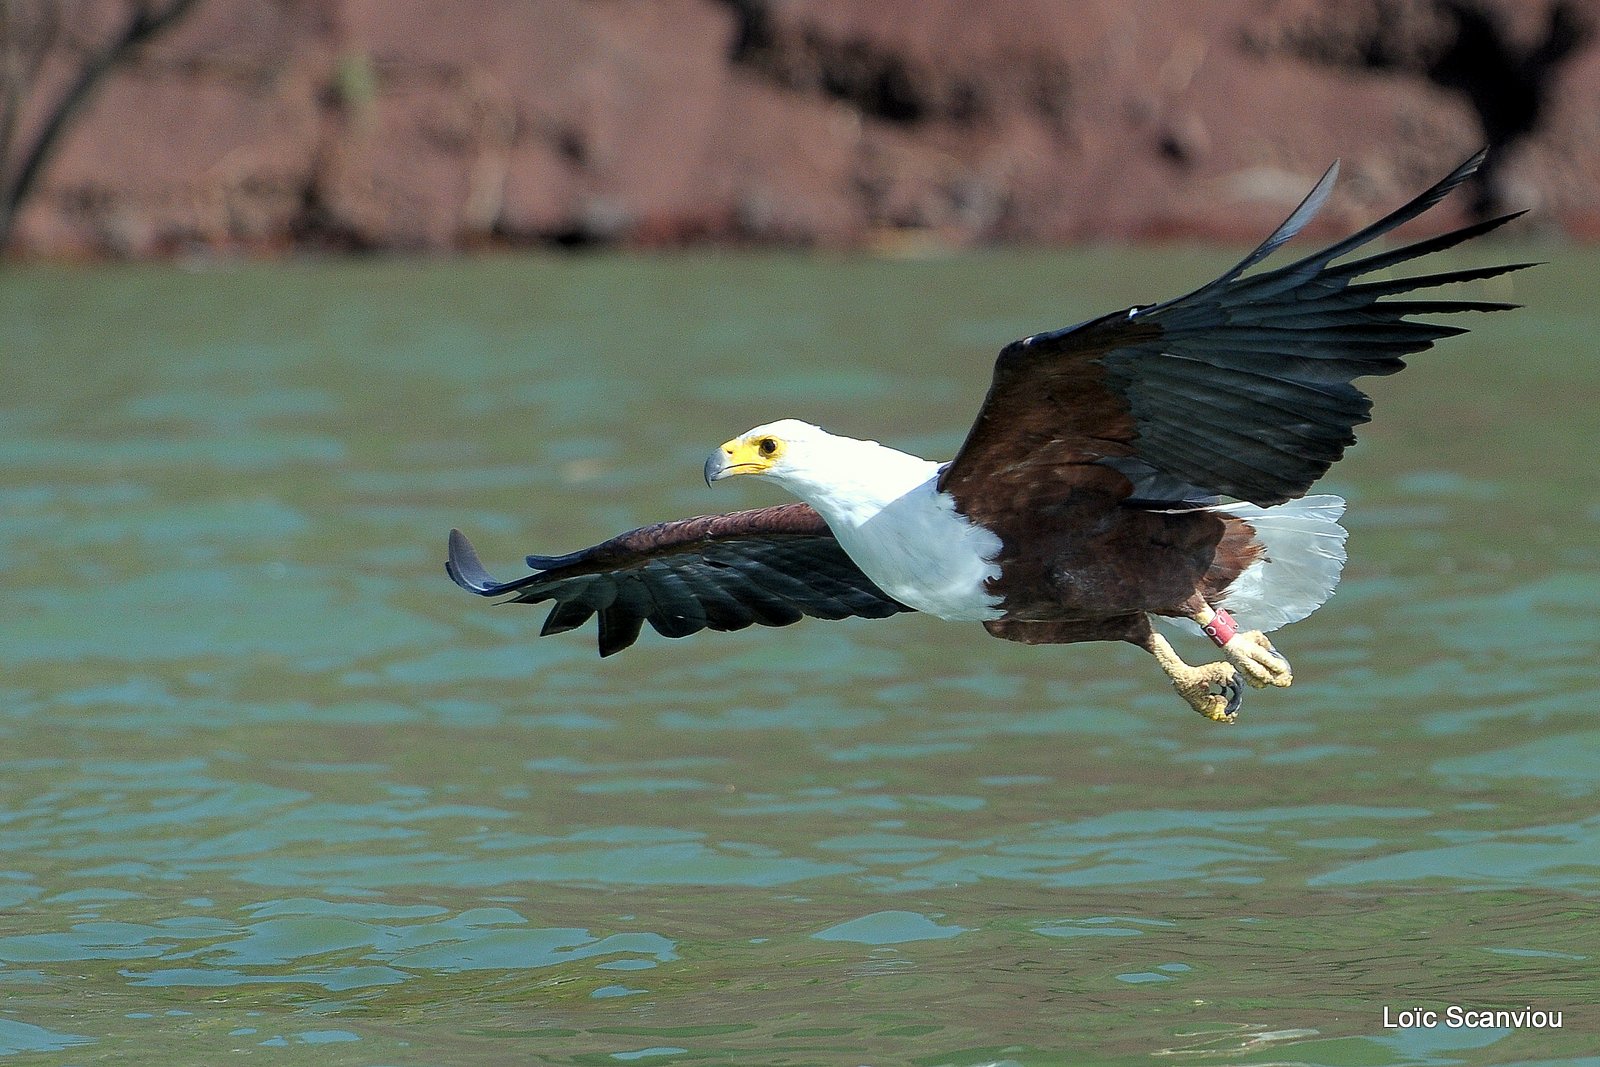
(770, 567)
(1242, 388)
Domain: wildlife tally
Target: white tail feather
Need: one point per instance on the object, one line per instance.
(1304, 554)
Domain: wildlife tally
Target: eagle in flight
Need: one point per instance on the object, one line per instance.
(1148, 464)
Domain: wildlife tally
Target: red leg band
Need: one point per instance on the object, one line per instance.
(1221, 628)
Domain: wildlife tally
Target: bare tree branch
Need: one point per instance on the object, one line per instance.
(28, 31)
(145, 20)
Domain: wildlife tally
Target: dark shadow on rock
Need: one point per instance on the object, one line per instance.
(1464, 46)
(1509, 86)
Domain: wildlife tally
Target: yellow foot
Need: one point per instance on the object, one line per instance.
(1196, 684)
(1259, 663)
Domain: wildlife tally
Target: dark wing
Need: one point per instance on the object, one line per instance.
(1242, 388)
(771, 567)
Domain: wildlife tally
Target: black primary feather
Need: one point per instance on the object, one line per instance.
(1241, 388)
(768, 567)
(1266, 361)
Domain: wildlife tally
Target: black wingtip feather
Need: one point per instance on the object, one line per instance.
(1303, 325)
(618, 630)
(566, 615)
(1418, 249)
(466, 569)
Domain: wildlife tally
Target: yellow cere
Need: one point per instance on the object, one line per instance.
(752, 455)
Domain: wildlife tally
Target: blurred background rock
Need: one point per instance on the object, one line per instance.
(267, 126)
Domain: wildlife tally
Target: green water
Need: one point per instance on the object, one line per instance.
(270, 784)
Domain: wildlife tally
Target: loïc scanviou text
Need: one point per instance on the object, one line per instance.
(1457, 1017)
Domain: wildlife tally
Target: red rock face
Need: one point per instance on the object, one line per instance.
(259, 125)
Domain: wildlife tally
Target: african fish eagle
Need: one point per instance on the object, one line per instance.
(1148, 464)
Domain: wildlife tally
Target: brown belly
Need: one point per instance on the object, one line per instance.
(1081, 561)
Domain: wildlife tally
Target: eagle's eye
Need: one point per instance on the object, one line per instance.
(767, 446)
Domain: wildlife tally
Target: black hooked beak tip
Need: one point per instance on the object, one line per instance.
(714, 466)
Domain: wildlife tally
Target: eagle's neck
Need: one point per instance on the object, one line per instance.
(885, 508)
(850, 482)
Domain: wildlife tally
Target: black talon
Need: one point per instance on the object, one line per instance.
(1235, 694)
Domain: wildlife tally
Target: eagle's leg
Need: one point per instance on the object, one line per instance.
(1250, 650)
(1196, 684)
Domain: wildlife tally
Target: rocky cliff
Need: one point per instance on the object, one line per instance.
(261, 125)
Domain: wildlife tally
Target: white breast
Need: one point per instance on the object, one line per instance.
(886, 510)
(926, 555)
